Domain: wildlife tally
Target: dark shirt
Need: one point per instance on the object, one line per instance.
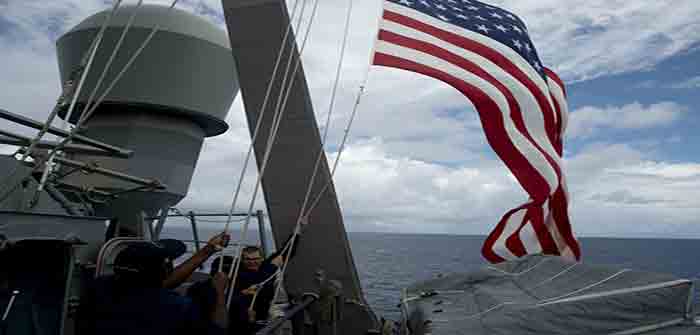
(247, 279)
(149, 311)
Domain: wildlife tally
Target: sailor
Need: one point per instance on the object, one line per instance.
(254, 285)
(136, 300)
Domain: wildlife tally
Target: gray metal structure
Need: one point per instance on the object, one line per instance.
(550, 295)
(324, 244)
(176, 93)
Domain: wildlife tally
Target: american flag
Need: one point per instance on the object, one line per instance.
(485, 52)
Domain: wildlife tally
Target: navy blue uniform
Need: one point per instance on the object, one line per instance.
(110, 310)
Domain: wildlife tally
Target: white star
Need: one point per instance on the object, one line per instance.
(480, 17)
(483, 28)
(496, 15)
(538, 66)
(516, 28)
(473, 8)
(501, 28)
(451, 1)
(444, 18)
(463, 17)
(425, 3)
(527, 47)
(466, 1)
(511, 16)
(457, 9)
(406, 2)
(440, 7)
(517, 44)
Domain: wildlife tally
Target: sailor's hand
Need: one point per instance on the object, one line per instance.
(250, 291)
(219, 281)
(304, 221)
(277, 261)
(218, 242)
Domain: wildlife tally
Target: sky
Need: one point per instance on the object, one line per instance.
(417, 160)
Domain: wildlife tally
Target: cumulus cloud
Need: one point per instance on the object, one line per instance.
(588, 120)
(585, 39)
(619, 190)
(690, 83)
(417, 160)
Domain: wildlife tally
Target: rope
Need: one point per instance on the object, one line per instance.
(515, 274)
(260, 285)
(111, 57)
(302, 217)
(48, 167)
(544, 301)
(283, 45)
(89, 113)
(342, 145)
(83, 69)
(278, 118)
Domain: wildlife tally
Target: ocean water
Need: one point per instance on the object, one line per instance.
(389, 262)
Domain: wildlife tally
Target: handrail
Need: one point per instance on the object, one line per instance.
(198, 214)
(111, 173)
(11, 138)
(62, 133)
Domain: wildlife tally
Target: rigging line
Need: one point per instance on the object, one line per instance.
(84, 67)
(273, 136)
(260, 285)
(283, 45)
(361, 91)
(328, 183)
(312, 181)
(233, 271)
(111, 57)
(48, 166)
(87, 115)
(279, 112)
(342, 145)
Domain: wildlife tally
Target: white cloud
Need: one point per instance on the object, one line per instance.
(690, 83)
(394, 176)
(588, 120)
(617, 190)
(589, 38)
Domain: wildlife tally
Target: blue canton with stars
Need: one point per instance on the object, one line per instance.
(490, 21)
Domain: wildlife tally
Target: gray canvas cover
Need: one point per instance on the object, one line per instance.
(550, 295)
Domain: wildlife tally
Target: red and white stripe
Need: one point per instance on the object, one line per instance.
(522, 115)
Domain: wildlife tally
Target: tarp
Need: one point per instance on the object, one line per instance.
(550, 295)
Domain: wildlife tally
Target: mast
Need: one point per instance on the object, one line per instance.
(256, 29)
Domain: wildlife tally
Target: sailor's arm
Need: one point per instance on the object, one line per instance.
(219, 315)
(183, 271)
(277, 258)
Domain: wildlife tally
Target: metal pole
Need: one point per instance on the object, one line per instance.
(9, 305)
(263, 233)
(195, 233)
(205, 215)
(19, 140)
(111, 173)
(161, 222)
(69, 284)
(62, 133)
